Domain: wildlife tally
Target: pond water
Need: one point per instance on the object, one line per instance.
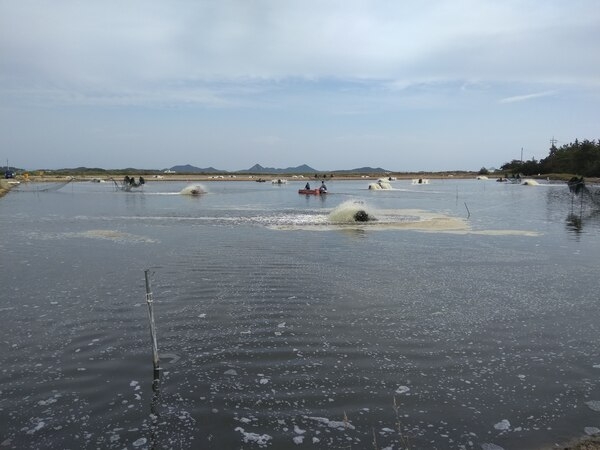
(462, 314)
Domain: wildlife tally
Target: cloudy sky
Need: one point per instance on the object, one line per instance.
(404, 85)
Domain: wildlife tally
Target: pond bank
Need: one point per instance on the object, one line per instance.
(4, 187)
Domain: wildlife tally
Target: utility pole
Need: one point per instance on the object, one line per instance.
(553, 142)
(521, 155)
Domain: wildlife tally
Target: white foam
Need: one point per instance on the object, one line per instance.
(380, 185)
(488, 446)
(594, 405)
(193, 189)
(502, 425)
(345, 212)
(262, 440)
(41, 424)
(335, 424)
(402, 389)
(298, 430)
(140, 442)
(111, 235)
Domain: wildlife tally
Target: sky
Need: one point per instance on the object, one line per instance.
(411, 85)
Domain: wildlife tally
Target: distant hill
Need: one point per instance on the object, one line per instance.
(187, 168)
(362, 170)
(255, 169)
(258, 169)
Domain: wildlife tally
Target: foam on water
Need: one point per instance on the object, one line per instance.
(345, 215)
(193, 189)
(111, 235)
(380, 185)
(347, 211)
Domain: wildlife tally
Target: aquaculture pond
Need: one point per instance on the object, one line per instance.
(460, 314)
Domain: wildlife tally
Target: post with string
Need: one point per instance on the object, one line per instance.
(150, 302)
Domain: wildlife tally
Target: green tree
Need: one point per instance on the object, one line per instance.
(514, 167)
(579, 157)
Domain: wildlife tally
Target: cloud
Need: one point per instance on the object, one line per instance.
(281, 77)
(526, 97)
(140, 43)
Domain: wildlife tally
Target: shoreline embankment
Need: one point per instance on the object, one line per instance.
(4, 187)
(48, 177)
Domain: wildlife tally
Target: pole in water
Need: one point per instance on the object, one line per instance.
(150, 302)
(468, 212)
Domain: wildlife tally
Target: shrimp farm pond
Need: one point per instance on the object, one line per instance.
(455, 314)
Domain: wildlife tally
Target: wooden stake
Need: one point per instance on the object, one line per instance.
(150, 302)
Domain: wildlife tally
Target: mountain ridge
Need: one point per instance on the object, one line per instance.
(258, 169)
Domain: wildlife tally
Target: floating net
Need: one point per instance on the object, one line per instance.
(43, 187)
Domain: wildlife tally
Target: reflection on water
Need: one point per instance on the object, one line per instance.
(426, 324)
(583, 207)
(575, 223)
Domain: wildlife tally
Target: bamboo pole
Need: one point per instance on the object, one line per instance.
(150, 302)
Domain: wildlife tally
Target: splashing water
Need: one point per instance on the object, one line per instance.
(356, 213)
(381, 184)
(351, 211)
(193, 189)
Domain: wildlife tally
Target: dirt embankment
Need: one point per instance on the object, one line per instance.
(588, 443)
(4, 187)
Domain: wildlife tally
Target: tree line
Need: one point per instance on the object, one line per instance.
(577, 158)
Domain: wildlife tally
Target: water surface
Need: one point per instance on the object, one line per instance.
(465, 314)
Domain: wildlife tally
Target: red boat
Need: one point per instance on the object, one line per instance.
(312, 191)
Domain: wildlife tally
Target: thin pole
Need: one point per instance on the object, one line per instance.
(469, 212)
(150, 302)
